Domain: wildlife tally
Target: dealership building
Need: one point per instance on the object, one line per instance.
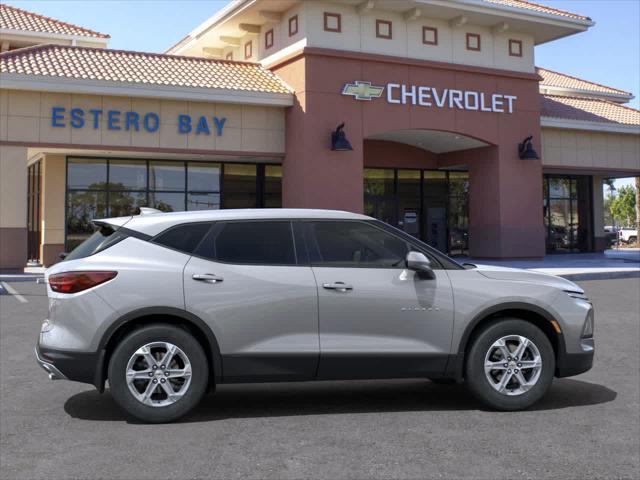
(451, 132)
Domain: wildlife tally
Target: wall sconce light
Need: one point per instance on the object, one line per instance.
(339, 142)
(526, 150)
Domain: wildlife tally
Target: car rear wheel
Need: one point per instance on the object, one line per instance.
(158, 373)
(510, 365)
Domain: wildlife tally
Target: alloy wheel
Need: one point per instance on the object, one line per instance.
(513, 365)
(158, 374)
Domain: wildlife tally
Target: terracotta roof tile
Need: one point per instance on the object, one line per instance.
(136, 67)
(17, 19)
(588, 110)
(556, 79)
(538, 8)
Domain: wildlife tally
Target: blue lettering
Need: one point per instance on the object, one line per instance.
(77, 118)
(96, 118)
(184, 123)
(203, 126)
(151, 122)
(219, 124)
(57, 115)
(132, 119)
(113, 120)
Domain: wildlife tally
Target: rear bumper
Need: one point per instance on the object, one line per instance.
(85, 367)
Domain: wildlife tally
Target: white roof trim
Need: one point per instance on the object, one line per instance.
(14, 81)
(228, 10)
(550, 17)
(58, 36)
(568, 92)
(567, 124)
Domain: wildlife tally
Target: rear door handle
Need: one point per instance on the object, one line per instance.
(207, 277)
(338, 286)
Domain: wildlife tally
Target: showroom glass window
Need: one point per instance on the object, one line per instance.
(102, 188)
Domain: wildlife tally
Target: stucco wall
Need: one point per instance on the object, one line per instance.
(27, 117)
(590, 150)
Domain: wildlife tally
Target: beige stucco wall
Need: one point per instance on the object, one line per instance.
(584, 149)
(13, 187)
(53, 190)
(26, 117)
(359, 35)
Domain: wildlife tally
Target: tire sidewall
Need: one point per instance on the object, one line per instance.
(474, 365)
(158, 333)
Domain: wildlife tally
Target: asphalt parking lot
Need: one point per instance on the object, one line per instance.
(587, 426)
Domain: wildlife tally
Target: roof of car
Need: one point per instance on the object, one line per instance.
(154, 223)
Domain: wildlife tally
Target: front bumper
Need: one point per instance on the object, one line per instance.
(569, 364)
(85, 367)
(574, 364)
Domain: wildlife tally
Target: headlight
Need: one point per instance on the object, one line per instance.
(587, 330)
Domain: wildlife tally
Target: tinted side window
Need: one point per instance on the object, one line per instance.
(183, 237)
(255, 243)
(354, 244)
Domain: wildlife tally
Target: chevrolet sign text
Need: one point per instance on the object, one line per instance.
(433, 97)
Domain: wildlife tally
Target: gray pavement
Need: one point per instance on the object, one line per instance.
(587, 427)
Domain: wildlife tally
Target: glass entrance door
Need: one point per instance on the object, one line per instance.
(567, 214)
(34, 186)
(430, 205)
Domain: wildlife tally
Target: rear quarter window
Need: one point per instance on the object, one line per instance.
(103, 238)
(184, 238)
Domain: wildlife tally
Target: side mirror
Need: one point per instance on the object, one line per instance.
(418, 262)
(62, 255)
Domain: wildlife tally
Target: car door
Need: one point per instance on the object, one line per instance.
(377, 318)
(246, 283)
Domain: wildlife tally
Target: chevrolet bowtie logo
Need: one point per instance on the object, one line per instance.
(362, 90)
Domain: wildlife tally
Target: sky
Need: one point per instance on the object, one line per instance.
(608, 53)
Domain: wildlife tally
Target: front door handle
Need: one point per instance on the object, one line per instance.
(207, 277)
(338, 286)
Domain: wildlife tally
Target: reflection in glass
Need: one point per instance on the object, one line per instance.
(86, 174)
(239, 186)
(122, 204)
(203, 201)
(203, 177)
(273, 186)
(167, 202)
(166, 176)
(127, 175)
(379, 181)
(82, 208)
(409, 201)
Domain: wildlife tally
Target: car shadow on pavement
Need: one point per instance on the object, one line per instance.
(321, 398)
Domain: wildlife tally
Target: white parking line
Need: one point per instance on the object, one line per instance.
(11, 291)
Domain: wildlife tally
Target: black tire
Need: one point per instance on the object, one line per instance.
(158, 333)
(632, 240)
(476, 379)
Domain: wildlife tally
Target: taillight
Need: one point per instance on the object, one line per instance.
(74, 282)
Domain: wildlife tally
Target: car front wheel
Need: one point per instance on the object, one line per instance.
(510, 365)
(158, 373)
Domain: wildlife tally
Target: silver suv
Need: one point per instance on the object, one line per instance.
(165, 306)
